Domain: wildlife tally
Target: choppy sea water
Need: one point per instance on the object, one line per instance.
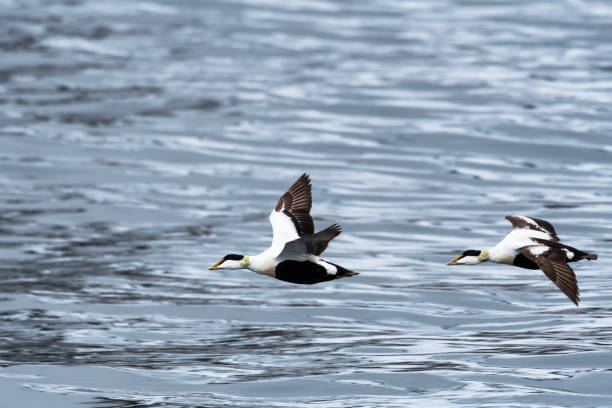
(140, 141)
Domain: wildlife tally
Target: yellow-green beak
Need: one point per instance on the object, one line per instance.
(215, 265)
(454, 261)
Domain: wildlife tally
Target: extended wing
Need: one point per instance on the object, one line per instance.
(552, 262)
(291, 218)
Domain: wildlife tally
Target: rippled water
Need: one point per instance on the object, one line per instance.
(141, 141)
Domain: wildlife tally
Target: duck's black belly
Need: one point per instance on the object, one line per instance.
(306, 273)
(523, 262)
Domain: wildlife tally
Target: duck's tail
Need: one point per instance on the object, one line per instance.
(590, 257)
(343, 272)
(578, 254)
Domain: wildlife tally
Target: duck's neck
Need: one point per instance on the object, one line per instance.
(245, 262)
(484, 255)
(500, 256)
(263, 264)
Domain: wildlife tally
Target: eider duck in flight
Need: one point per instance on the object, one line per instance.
(533, 244)
(294, 255)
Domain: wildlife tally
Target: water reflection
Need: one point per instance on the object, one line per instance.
(141, 140)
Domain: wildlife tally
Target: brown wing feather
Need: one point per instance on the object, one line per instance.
(539, 225)
(552, 263)
(296, 204)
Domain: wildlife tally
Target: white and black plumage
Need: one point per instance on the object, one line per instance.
(294, 255)
(533, 244)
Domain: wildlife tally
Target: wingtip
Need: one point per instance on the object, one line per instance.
(515, 217)
(335, 227)
(303, 183)
(575, 297)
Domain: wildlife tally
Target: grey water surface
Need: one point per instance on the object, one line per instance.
(140, 141)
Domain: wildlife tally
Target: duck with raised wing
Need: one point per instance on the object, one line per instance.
(533, 244)
(294, 255)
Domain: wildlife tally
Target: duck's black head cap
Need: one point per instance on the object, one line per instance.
(233, 257)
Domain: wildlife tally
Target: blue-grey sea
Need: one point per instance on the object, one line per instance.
(142, 140)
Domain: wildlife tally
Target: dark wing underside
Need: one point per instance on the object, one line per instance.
(313, 244)
(317, 243)
(552, 263)
(296, 204)
(536, 224)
